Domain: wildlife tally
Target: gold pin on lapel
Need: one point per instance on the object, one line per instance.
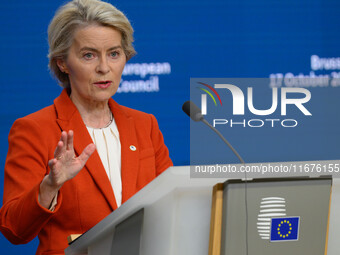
(133, 148)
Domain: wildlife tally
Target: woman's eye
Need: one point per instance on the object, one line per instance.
(114, 54)
(88, 56)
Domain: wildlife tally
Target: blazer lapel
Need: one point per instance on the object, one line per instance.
(68, 118)
(129, 149)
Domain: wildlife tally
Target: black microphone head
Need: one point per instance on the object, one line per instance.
(192, 111)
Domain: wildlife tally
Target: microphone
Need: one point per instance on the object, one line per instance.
(194, 113)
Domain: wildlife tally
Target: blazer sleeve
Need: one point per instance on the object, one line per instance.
(162, 159)
(21, 216)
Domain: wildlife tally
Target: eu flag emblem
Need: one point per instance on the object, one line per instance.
(284, 229)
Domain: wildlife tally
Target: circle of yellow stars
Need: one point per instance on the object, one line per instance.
(284, 222)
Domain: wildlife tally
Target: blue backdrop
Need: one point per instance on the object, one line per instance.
(177, 40)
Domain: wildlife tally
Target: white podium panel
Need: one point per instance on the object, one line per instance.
(176, 217)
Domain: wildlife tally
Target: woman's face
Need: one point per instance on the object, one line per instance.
(94, 64)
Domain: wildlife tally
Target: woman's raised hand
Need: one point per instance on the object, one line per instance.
(63, 167)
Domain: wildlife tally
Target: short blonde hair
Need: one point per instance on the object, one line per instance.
(80, 13)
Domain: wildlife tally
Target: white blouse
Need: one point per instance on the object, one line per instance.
(109, 150)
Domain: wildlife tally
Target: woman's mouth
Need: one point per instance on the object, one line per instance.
(103, 84)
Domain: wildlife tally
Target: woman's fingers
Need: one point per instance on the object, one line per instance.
(65, 144)
(52, 162)
(69, 140)
(63, 137)
(59, 150)
(64, 166)
(87, 152)
(61, 146)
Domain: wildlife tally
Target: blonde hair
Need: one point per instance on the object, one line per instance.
(80, 13)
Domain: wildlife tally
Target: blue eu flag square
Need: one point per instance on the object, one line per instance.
(284, 229)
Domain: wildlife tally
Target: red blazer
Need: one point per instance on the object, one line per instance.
(87, 198)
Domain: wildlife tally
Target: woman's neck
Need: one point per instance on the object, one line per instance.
(94, 114)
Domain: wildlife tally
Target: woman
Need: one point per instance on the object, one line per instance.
(71, 164)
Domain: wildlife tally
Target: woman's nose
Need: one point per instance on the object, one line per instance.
(103, 66)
